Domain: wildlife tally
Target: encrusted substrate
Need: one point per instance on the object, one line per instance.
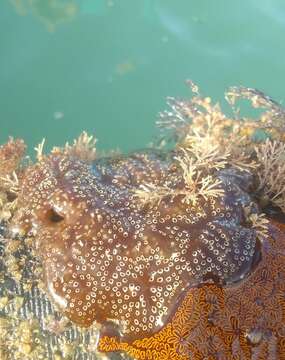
(165, 253)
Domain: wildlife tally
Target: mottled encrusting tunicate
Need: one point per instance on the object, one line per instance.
(173, 252)
(107, 257)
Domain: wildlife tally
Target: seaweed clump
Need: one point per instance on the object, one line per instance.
(206, 141)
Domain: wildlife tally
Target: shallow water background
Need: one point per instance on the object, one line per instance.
(107, 66)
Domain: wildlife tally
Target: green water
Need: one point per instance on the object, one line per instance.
(107, 66)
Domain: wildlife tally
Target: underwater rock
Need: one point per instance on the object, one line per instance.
(174, 252)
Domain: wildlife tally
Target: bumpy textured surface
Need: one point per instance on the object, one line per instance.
(106, 258)
(11, 154)
(168, 254)
(243, 321)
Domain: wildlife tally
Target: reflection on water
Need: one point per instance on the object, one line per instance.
(54, 12)
(50, 12)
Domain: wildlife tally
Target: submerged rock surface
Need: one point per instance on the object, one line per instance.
(172, 253)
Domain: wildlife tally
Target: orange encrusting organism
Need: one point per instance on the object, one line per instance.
(242, 321)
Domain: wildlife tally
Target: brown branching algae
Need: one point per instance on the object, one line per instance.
(169, 253)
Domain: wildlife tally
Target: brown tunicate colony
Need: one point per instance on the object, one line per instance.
(174, 251)
(107, 258)
(241, 321)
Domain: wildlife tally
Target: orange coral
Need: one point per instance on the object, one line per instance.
(241, 321)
